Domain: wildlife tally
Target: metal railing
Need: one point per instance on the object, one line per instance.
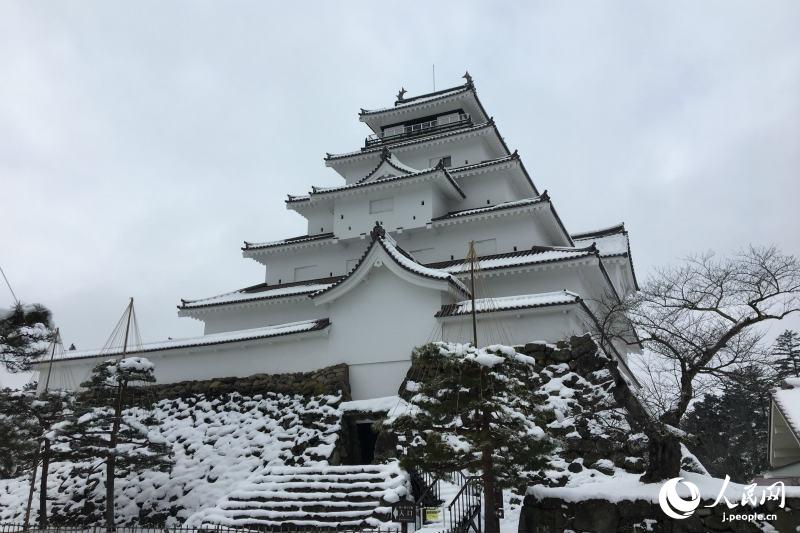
(420, 128)
(465, 509)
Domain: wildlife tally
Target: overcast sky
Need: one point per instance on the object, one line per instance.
(141, 143)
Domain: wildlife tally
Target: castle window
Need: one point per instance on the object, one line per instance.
(383, 205)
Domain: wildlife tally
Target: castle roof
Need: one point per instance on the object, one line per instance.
(463, 95)
(385, 246)
(536, 255)
(369, 151)
(288, 241)
(430, 173)
(266, 332)
(510, 303)
(260, 292)
(612, 241)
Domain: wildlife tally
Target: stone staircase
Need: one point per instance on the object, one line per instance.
(343, 497)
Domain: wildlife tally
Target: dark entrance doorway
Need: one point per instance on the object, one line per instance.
(367, 437)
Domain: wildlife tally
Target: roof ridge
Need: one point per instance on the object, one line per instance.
(602, 232)
(489, 123)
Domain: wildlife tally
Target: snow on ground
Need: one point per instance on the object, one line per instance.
(216, 443)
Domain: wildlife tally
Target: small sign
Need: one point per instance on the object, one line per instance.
(432, 514)
(404, 512)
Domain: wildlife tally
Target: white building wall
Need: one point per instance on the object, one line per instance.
(550, 325)
(395, 207)
(268, 313)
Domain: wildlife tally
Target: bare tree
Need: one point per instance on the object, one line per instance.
(698, 320)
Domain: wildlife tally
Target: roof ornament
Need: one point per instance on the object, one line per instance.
(377, 232)
(385, 153)
(467, 77)
(401, 93)
(440, 164)
(515, 155)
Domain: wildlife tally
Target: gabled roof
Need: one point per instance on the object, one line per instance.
(285, 242)
(260, 292)
(211, 339)
(509, 303)
(385, 246)
(388, 159)
(319, 192)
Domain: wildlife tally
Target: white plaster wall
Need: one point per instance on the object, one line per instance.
(221, 319)
(412, 208)
(519, 230)
(382, 319)
(485, 189)
(549, 325)
(320, 220)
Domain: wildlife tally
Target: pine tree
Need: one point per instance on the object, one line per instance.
(25, 332)
(731, 429)
(103, 430)
(473, 410)
(786, 352)
(18, 433)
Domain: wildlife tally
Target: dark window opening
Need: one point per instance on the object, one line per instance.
(488, 202)
(515, 248)
(341, 217)
(321, 230)
(422, 202)
(447, 161)
(367, 437)
(451, 258)
(414, 217)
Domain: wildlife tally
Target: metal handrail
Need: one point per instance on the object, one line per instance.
(466, 506)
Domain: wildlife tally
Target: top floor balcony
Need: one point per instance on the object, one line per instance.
(406, 131)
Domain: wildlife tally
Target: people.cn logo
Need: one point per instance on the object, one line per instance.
(672, 504)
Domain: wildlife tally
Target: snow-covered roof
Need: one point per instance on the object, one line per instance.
(211, 339)
(400, 258)
(610, 241)
(419, 140)
(788, 402)
(431, 173)
(388, 158)
(422, 98)
(492, 208)
(507, 303)
(536, 255)
(288, 241)
(262, 291)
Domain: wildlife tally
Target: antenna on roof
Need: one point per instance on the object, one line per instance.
(434, 77)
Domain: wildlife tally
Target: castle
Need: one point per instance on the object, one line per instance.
(382, 266)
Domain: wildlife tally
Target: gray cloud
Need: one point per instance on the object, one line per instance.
(140, 143)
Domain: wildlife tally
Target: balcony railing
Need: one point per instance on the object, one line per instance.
(396, 133)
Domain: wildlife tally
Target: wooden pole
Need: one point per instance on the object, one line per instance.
(112, 440)
(471, 257)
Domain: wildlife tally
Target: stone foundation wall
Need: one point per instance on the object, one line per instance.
(328, 380)
(551, 515)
